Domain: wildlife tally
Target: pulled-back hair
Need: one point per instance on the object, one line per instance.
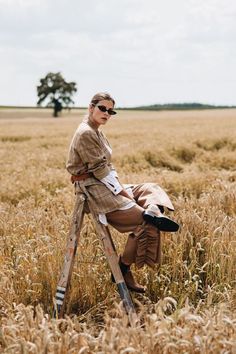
(102, 96)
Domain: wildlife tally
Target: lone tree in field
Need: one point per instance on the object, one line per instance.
(59, 92)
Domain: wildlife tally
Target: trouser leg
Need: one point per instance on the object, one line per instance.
(146, 194)
(152, 197)
(143, 248)
(127, 221)
(143, 244)
(129, 255)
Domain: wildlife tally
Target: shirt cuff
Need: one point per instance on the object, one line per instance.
(114, 173)
(112, 183)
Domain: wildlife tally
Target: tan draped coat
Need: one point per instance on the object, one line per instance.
(88, 153)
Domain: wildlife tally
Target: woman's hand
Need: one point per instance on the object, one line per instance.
(125, 194)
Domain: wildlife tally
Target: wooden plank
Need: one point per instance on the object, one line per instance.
(71, 248)
(113, 261)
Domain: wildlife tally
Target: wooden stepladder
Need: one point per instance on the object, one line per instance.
(110, 252)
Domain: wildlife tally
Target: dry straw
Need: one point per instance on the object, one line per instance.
(190, 302)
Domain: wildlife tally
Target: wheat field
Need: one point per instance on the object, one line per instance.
(190, 303)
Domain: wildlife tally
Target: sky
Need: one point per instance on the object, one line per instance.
(141, 52)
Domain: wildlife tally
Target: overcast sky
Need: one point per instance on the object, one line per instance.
(141, 51)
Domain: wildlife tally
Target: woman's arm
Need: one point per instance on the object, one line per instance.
(125, 194)
(92, 155)
(112, 182)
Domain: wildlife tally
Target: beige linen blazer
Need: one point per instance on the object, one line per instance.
(89, 153)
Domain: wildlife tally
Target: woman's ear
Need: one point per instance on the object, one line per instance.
(91, 108)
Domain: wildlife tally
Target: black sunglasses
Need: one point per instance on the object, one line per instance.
(109, 111)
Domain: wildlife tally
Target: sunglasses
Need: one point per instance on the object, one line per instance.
(104, 109)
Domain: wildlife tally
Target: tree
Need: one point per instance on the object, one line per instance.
(59, 92)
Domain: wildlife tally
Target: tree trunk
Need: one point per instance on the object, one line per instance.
(55, 111)
(57, 107)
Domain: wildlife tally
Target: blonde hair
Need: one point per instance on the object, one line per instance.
(101, 96)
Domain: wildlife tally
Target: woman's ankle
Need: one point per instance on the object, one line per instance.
(125, 263)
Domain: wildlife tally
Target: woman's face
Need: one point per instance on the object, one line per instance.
(97, 115)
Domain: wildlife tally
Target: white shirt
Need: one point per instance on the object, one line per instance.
(112, 183)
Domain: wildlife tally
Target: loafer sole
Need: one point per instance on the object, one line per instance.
(163, 223)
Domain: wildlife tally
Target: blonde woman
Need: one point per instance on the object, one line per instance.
(136, 209)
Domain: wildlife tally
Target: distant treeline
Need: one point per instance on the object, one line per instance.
(177, 106)
(154, 107)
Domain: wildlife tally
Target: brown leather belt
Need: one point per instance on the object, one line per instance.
(82, 177)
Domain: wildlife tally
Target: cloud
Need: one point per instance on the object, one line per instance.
(131, 46)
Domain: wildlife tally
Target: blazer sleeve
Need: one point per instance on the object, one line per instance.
(92, 154)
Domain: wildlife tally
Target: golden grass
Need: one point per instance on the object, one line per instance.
(190, 302)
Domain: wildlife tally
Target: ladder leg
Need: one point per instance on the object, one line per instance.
(112, 258)
(71, 247)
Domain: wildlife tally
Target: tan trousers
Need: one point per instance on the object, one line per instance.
(144, 242)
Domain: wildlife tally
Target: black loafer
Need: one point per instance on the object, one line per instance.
(163, 223)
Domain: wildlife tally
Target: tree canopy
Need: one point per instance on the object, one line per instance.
(56, 91)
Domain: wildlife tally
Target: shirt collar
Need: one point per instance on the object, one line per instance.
(90, 123)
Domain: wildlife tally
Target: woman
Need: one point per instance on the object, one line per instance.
(137, 209)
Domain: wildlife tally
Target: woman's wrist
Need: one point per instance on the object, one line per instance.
(125, 194)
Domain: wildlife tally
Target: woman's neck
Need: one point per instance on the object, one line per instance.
(91, 123)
